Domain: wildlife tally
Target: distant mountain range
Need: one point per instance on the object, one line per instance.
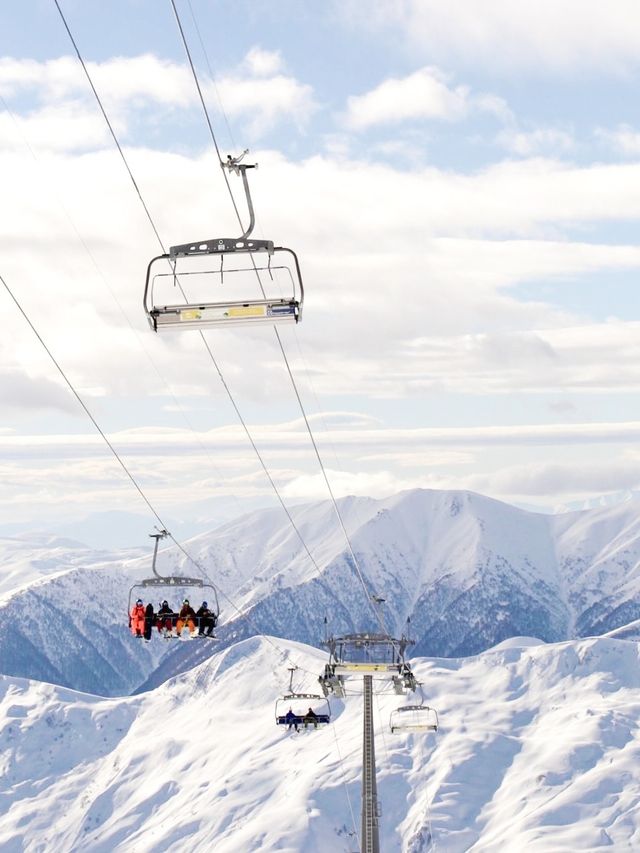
(465, 570)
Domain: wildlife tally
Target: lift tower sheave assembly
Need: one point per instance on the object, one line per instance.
(365, 654)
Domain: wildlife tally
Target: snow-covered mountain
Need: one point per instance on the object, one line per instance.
(28, 557)
(468, 571)
(538, 750)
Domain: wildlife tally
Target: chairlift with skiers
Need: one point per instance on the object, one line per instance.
(293, 708)
(167, 582)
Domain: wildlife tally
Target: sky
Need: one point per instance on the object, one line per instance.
(461, 183)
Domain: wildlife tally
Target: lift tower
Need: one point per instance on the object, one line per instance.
(365, 654)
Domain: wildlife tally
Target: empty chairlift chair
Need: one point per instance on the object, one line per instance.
(414, 718)
(224, 281)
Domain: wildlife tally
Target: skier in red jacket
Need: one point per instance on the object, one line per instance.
(136, 618)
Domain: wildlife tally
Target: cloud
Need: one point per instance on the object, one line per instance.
(20, 391)
(497, 35)
(64, 115)
(263, 63)
(264, 101)
(422, 95)
(283, 439)
(60, 474)
(118, 80)
(540, 140)
(431, 230)
(66, 127)
(573, 479)
(624, 140)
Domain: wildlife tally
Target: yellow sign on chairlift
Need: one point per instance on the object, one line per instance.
(191, 314)
(247, 311)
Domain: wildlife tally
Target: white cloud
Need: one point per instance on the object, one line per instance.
(540, 140)
(360, 338)
(577, 480)
(263, 101)
(423, 94)
(179, 470)
(118, 80)
(67, 117)
(542, 37)
(281, 440)
(623, 140)
(263, 63)
(65, 127)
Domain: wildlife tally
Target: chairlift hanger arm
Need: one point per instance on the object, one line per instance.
(224, 244)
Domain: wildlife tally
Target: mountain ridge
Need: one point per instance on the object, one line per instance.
(467, 570)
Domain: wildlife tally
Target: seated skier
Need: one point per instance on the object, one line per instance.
(206, 620)
(165, 619)
(136, 618)
(310, 717)
(187, 615)
(291, 719)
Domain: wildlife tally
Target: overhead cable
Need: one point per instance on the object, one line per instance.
(356, 564)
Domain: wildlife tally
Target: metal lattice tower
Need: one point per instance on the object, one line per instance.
(364, 654)
(370, 806)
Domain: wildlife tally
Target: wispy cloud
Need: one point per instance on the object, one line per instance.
(623, 140)
(543, 37)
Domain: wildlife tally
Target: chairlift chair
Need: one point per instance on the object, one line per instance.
(200, 266)
(168, 582)
(414, 718)
(299, 704)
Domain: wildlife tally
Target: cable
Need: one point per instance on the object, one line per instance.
(106, 118)
(124, 467)
(81, 401)
(356, 564)
(155, 230)
(212, 75)
(113, 295)
(228, 391)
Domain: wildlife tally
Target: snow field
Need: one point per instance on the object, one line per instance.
(539, 750)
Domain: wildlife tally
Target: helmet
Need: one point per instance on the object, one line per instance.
(204, 604)
(186, 601)
(139, 601)
(165, 603)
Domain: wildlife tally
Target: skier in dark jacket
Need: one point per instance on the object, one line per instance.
(165, 619)
(291, 719)
(310, 717)
(206, 620)
(148, 621)
(187, 615)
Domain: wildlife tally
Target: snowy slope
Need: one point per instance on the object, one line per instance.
(468, 571)
(29, 557)
(539, 750)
